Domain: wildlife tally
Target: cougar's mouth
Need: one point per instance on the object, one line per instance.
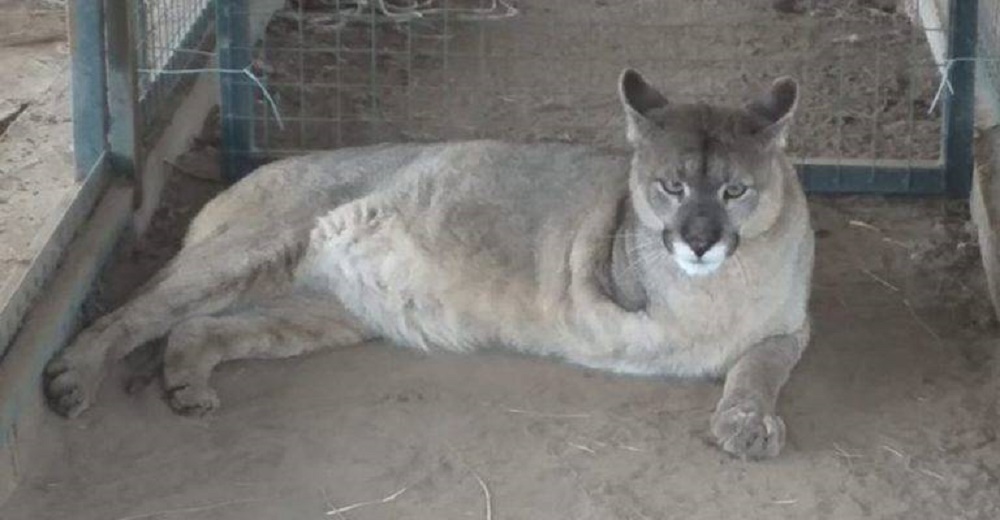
(697, 257)
(694, 264)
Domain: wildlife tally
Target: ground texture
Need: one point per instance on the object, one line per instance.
(36, 151)
(891, 414)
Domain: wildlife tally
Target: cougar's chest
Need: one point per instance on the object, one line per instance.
(738, 306)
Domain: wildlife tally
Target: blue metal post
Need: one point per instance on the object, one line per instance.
(959, 103)
(90, 119)
(123, 90)
(143, 57)
(856, 178)
(233, 36)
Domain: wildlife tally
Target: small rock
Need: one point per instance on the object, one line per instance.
(885, 6)
(789, 6)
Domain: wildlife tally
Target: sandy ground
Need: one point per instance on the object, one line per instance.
(36, 151)
(891, 413)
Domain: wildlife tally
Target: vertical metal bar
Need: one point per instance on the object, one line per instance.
(375, 129)
(876, 110)
(124, 146)
(122, 86)
(449, 129)
(840, 110)
(304, 107)
(341, 63)
(959, 103)
(915, 45)
(90, 102)
(481, 86)
(408, 84)
(143, 44)
(233, 33)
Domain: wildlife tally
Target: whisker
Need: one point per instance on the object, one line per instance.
(742, 268)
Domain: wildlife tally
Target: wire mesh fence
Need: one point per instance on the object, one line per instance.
(320, 74)
(347, 73)
(171, 36)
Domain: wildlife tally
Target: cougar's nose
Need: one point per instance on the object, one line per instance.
(701, 233)
(700, 245)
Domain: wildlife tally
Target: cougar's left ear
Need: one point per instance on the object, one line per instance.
(638, 98)
(776, 108)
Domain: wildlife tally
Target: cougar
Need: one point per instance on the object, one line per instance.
(689, 255)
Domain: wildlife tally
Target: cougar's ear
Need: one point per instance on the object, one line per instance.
(638, 98)
(776, 108)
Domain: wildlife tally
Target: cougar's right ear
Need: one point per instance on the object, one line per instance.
(638, 98)
(776, 108)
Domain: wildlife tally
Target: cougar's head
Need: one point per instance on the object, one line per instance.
(703, 176)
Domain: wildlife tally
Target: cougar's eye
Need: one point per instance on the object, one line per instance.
(734, 191)
(672, 187)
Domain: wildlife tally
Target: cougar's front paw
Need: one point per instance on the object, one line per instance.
(743, 430)
(70, 385)
(193, 400)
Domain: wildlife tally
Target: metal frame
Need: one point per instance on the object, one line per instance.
(858, 177)
(952, 175)
(42, 309)
(104, 108)
(959, 107)
(124, 146)
(92, 54)
(158, 94)
(103, 80)
(949, 176)
(89, 84)
(237, 95)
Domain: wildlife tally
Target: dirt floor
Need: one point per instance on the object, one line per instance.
(892, 413)
(36, 150)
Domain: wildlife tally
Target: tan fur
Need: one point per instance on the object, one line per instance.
(546, 249)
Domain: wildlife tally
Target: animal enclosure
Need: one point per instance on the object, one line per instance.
(876, 116)
(170, 37)
(302, 75)
(890, 410)
(889, 86)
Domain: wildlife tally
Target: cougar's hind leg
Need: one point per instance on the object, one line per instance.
(203, 280)
(285, 328)
(73, 377)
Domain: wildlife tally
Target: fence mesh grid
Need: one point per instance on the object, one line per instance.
(170, 36)
(989, 52)
(348, 72)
